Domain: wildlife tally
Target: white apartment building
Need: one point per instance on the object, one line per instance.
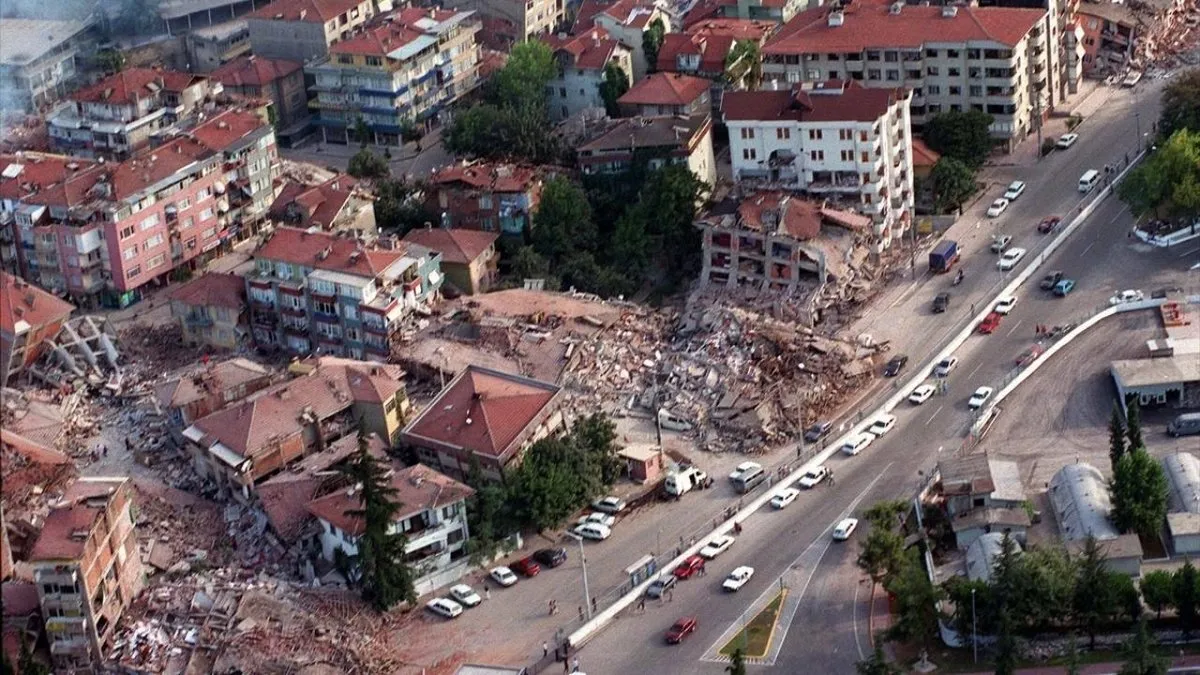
(581, 61)
(951, 58)
(836, 140)
(527, 19)
(302, 30)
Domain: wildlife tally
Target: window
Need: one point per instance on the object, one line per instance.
(953, 72)
(865, 157)
(156, 261)
(976, 90)
(847, 155)
(955, 91)
(346, 59)
(814, 134)
(374, 61)
(350, 312)
(935, 108)
(862, 136)
(183, 204)
(845, 135)
(485, 201)
(893, 76)
(129, 253)
(934, 89)
(325, 307)
(133, 272)
(206, 214)
(352, 333)
(866, 178)
(931, 53)
(932, 71)
(783, 134)
(817, 155)
(188, 222)
(747, 133)
(891, 57)
(952, 53)
(749, 153)
(191, 244)
(972, 53)
(152, 242)
(873, 74)
(208, 233)
(954, 107)
(872, 56)
(203, 194)
(323, 287)
(126, 232)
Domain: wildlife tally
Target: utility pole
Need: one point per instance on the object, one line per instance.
(1037, 103)
(974, 638)
(587, 594)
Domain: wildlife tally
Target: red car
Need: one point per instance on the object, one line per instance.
(1029, 355)
(990, 323)
(1048, 225)
(527, 567)
(681, 629)
(689, 567)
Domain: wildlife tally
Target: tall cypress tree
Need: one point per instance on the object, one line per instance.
(1116, 437)
(1133, 426)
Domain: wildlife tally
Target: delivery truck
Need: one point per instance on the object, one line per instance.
(943, 256)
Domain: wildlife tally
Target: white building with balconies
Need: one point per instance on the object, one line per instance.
(835, 140)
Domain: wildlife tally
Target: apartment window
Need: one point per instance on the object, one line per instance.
(485, 201)
(208, 233)
(206, 214)
(562, 92)
(749, 153)
(133, 272)
(203, 194)
(783, 134)
(972, 53)
(932, 71)
(954, 107)
(352, 333)
(350, 312)
(934, 89)
(976, 90)
(747, 133)
(866, 178)
(845, 135)
(954, 72)
(129, 253)
(156, 261)
(149, 222)
(931, 53)
(952, 53)
(872, 56)
(935, 108)
(862, 136)
(893, 76)
(817, 155)
(183, 204)
(152, 242)
(126, 232)
(191, 244)
(847, 155)
(873, 74)
(891, 57)
(374, 61)
(973, 73)
(814, 134)
(955, 91)
(346, 59)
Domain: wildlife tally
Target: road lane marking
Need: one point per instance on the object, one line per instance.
(862, 656)
(1015, 327)
(1187, 253)
(1089, 247)
(1120, 214)
(972, 373)
(935, 414)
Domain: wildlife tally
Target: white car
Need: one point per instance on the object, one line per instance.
(1010, 258)
(945, 366)
(980, 397)
(594, 531)
(784, 498)
(997, 207)
(609, 504)
(465, 595)
(604, 519)
(743, 468)
(1065, 141)
(856, 444)
(444, 607)
(1127, 296)
(716, 547)
(921, 394)
(738, 578)
(1005, 304)
(503, 576)
(844, 529)
(882, 425)
(814, 477)
(1015, 189)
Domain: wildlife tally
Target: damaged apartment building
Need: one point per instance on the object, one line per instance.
(1134, 34)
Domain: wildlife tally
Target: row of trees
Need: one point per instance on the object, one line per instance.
(1168, 182)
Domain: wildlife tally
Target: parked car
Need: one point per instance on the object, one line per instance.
(1062, 288)
(609, 504)
(1126, 297)
(882, 425)
(743, 468)
(689, 567)
(738, 578)
(550, 557)
(941, 302)
(844, 529)
(1000, 242)
(817, 431)
(444, 607)
(1049, 281)
(895, 365)
(716, 547)
(681, 629)
(990, 323)
(1066, 140)
(1004, 305)
(945, 366)
(1010, 258)
(503, 576)
(1049, 224)
(856, 444)
(527, 567)
(997, 207)
(661, 585)
(814, 477)
(465, 595)
(980, 397)
(1029, 355)
(921, 394)
(594, 531)
(785, 497)
(605, 519)
(1015, 189)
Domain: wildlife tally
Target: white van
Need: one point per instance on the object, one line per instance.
(1088, 180)
(749, 480)
(1186, 424)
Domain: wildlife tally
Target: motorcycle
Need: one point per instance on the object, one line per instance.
(959, 277)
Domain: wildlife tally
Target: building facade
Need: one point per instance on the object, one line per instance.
(485, 196)
(836, 140)
(211, 47)
(303, 30)
(88, 570)
(469, 257)
(582, 61)
(527, 19)
(313, 291)
(992, 59)
(208, 388)
(39, 61)
(29, 317)
(657, 141)
(282, 82)
(627, 21)
(396, 75)
(667, 93)
(211, 310)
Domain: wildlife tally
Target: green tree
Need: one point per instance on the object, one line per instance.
(1158, 589)
(1186, 596)
(1006, 644)
(362, 133)
(399, 207)
(743, 65)
(614, 86)
(652, 39)
(673, 194)
(509, 132)
(366, 164)
(563, 222)
(596, 436)
(1047, 583)
(1094, 601)
(953, 182)
(1133, 426)
(916, 615)
(1116, 437)
(380, 570)
(110, 61)
(1139, 493)
(1071, 661)
(487, 515)
(1167, 178)
(1181, 104)
(877, 663)
(886, 513)
(631, 244)
(1144, 188)
(1140, 657)
(968, 619)
(882, 551)
(523, 79)
(965, 136)
(527, 263)
(26, 664)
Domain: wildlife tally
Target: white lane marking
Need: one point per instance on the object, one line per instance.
(1015, 326)
(972, 373)
(904, 296)
(1187, 253)
(935, 413)
(862, 656)
(1089, 247)
(1120, 214)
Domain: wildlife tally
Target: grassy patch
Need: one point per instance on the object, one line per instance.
(755, 638)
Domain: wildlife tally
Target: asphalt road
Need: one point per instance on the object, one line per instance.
(828, 632)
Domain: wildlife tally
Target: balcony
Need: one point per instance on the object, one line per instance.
(841, 181)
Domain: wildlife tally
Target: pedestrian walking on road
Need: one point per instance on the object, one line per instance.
(545, 650)
(642, 604)
(575, 665)
(581, 612)
(593, 604)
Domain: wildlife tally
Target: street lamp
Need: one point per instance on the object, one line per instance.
(587, 595)
(974, 638)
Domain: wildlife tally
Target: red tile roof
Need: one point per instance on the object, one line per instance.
(324, 251)
(590, 51)
(213, 290)
(402, 28)
(315, 204)
(65, 532)
(133, 84)
(832, 101)
(706, 9)
(777, 212)
(31, 450)
(254, 71)
(22, 301)
(738, 29)
(214, 378)
(487, 176)
(456, 246)
(418, 488)
(483, 411)
(871, 25)
(227, 128)
(666, 89)
(631, 13)
(712, 40)
(311, 11)
(923, 155)
(58, 180)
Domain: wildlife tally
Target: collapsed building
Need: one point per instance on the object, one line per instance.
(1136, 34)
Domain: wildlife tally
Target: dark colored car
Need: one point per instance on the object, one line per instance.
(660, 586)
(895, 365)
(526, 567)
(682, 628)
(1049, 224)
(551, 557)
(941, 302)
(1050, 280)
(990, 323)
(689, 567)
(818, 431)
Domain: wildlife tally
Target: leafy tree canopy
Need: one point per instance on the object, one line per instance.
(652, 40)
(1169, 178)
(614, 86)
(964, 136)
(366, 164)
(398, 207)
(953, 183)
(1181, 104)
(1139, 493)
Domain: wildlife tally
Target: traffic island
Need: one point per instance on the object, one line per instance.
(755, 638)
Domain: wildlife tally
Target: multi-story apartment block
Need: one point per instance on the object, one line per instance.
(39, 61)
(993, 59)
(401, 72)
(29, 317)
(118, 115)
(1064, 45)
(667, 93)
(282, 82)
(655, 141)
(836, 140)
(627, 21)
(303, 30)
(102, 232)
(315, 291)
(485, 196)
(703, 48)
(519, 20)
(582, 60)
(332, 205)
(88, 570)
(211, 310)
(210, 47)
(329, 399)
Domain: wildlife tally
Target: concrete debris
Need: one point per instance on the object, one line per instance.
(83, 353)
